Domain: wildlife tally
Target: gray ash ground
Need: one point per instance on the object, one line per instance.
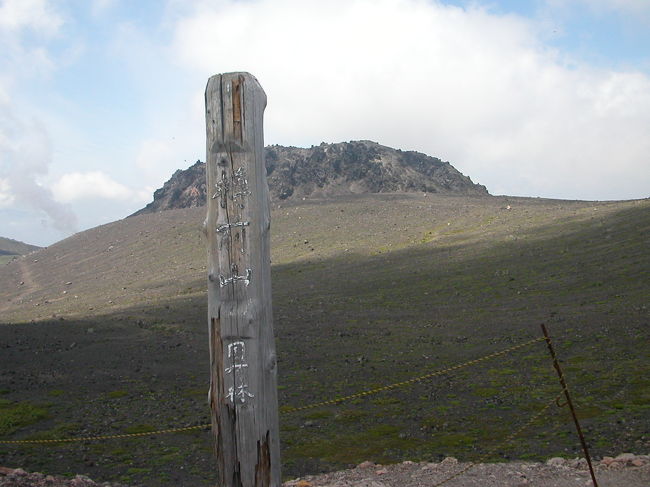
(18, 477)
(625, 470)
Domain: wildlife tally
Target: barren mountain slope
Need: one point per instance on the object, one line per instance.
(368, 290)
(162, 256)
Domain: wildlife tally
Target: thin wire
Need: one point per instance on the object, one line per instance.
(289, 410)
(508, 439)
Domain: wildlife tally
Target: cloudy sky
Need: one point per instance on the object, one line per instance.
(102, 100)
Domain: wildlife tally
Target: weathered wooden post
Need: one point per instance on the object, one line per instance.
(243, 385)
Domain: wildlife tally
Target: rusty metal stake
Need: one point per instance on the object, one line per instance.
(556, 364)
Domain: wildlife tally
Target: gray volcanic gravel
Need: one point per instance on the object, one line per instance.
(18, 477)
(625, 470)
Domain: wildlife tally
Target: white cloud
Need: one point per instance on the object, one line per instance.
(24, 25)
(25, 156)
(36, 15)
(476, 88)
(101, 6)
(4, 92)
(156, 157)
(6, 197)
(181, 138)
(95, 184)
(151, 152)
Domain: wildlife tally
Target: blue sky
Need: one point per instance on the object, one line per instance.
(102, 100)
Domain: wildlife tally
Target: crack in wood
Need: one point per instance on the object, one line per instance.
(243, 388)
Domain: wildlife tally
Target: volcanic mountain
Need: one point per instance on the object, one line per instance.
(374, 295)
(329, 170)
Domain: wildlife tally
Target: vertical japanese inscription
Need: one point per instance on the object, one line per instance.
(243, 394)
(238, 392)
(231, 192)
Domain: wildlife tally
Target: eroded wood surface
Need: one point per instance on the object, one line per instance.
(243, 390)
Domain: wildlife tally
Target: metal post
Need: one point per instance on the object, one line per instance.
(565, 389)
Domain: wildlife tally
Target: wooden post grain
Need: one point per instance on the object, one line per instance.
(243, 383)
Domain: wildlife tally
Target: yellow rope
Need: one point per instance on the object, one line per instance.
(415, 379)
(105, 437)
(290, 410)
(510, 437)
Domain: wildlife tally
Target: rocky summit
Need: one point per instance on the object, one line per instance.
(329, 170)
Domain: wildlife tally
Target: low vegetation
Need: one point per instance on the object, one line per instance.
(368, 290)
(14, 416)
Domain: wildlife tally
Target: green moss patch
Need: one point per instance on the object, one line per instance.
(14, 416)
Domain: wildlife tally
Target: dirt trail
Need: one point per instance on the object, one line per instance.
(27, 284)
(28, 279)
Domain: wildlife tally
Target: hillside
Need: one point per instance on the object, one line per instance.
(328, 170)
(368, 290)
(10, 248)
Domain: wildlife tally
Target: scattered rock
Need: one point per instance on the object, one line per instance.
(302, 483)
(18, 477)
(553, 473)
(579, 463)
(625, 457)
(632, 471)
(449, 461)
(607, 461)
(555, 461)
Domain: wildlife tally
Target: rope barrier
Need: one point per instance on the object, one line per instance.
(105, 437)
(289, 410)
(414, 379)
(508, 439)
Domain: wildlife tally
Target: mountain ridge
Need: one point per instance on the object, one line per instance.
(9, 246)
(328, 170)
